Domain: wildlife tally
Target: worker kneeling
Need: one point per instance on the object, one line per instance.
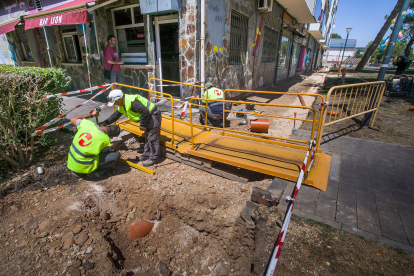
(214, 109)
(85, 156)
(139, 109)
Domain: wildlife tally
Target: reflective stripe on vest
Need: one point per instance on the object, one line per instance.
(126, 108)
(80, 153)
(81, 162)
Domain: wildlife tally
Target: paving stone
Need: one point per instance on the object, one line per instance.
(373, 228)
(346, 187)
(389, 213)
(347, 199)
(346, 215)
(326, 207)
(367, 214)
(332, 188)
(278, 184)
(364, 186)
(384, 199)
(366, 199)
(394, 232)
(306, 204)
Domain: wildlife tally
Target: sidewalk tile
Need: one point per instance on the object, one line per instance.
(346, 215)
(394, 232)
(347, 199)
(345, 187)
(326, 207)
(306, 204)
(367, 214)
(373, 228)
(384, 198)
(332, 189)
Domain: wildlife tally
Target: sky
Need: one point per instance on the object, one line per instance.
(365, 17)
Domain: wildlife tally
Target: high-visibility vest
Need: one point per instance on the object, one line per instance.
(126, 108)
(214, 94)
(84, 152)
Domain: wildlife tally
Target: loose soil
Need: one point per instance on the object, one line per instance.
(393, 123)
(53, 224)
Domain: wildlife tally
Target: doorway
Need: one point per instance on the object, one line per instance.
(169, 52)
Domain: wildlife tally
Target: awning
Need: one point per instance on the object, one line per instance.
(69, 13)
(8, 26)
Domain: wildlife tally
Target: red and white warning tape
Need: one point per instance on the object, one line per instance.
(281, 238)
(183, 106)
(40, 130)
(70, 93)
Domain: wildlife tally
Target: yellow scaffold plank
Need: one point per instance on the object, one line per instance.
(269, 158)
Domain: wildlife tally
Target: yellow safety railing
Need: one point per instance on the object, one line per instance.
(348, 101)
(257, 134)
(188, 84)
(159, 94)
(319, 121)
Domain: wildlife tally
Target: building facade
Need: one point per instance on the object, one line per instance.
(337, 49)
(236, 44)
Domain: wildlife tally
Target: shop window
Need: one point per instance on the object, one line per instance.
(238, 38)
(270, 41)
(24, 45)
(71, 44)
(283, 56)
(129, 32)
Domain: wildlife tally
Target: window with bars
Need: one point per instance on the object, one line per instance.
(238, 37)
(270, 44)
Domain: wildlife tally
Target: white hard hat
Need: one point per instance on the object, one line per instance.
(114, 95)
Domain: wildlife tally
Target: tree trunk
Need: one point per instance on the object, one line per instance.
(380, 35)
(408, 47)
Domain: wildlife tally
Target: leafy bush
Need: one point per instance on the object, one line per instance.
(20, 115)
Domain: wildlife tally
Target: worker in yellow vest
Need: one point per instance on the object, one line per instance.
(215, 109)
(139, 109)
(85, 156)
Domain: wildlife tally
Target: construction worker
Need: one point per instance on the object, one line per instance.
(85, 156)
(215, 109)
(139, 109)
(402, 64)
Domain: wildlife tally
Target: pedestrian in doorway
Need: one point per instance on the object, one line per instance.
(111, 61)
(139, 109)
(402, 64)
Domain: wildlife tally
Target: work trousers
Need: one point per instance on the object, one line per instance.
(107, 161)
(212, 116)
(152, 137)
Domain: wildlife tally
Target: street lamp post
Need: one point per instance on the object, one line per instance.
(348, 30)
(340, 50)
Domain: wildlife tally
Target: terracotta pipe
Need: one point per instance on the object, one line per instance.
(259, 125)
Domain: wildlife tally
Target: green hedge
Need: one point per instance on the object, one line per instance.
(53, 80)
(20, 114)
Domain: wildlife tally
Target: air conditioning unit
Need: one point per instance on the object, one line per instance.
(265, 5)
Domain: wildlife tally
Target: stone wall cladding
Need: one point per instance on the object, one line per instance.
(188, 45)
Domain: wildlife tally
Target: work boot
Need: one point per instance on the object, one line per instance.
(142, 158)
(149, 163)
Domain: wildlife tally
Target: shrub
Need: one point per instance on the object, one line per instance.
(20, 116)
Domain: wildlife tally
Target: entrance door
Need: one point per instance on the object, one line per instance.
(168, 35)
(283, 64)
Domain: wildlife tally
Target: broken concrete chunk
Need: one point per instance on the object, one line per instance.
(264, 197)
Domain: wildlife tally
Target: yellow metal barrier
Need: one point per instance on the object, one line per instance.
(252, 113)
(348, 101)
(286, 93)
